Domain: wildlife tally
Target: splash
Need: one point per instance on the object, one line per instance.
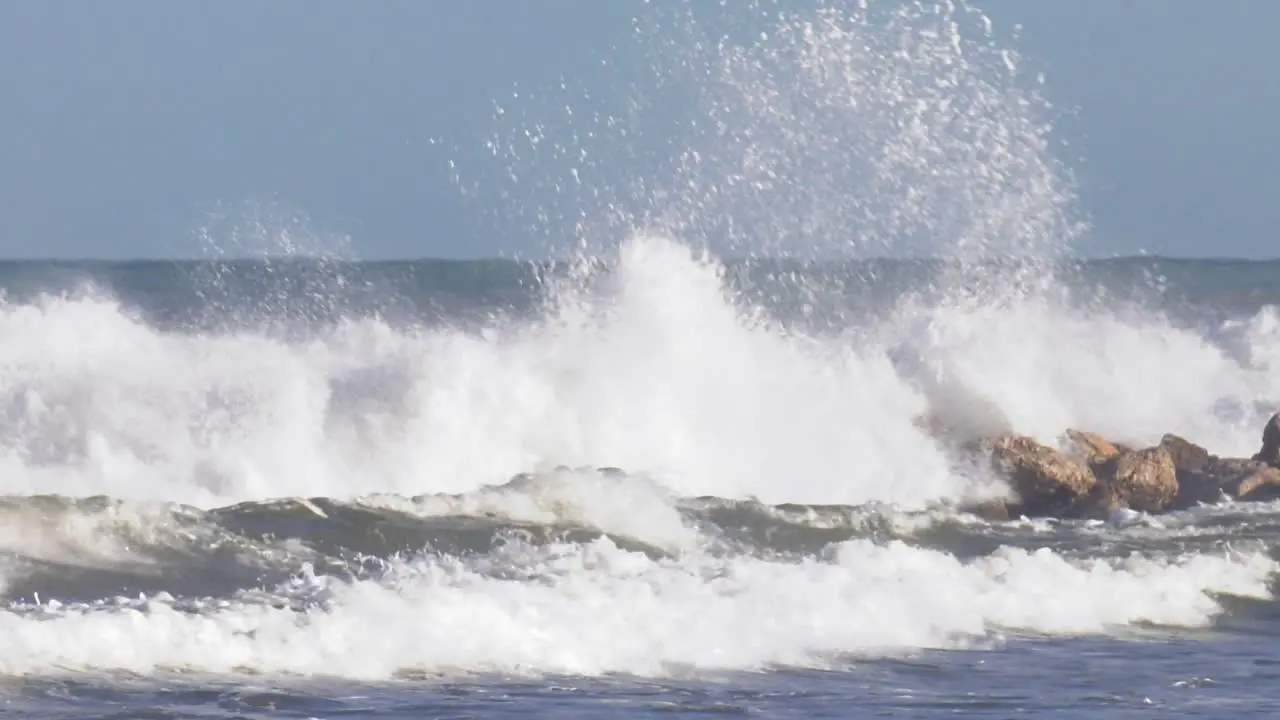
(828, 132)
(820, 134)
(844, 130)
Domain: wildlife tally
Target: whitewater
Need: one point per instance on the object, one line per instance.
(777, 502)
(689, 468)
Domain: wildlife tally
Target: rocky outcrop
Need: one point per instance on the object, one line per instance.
(1144, 480)
(1260, 484)
(1270, 451)
(1231, 478)
(1186, 455)
(1047, 482)
(1090, 448)
(992, 510)
(1200, 488)
(1204, 478)
(1090, 476)
(1191, 463)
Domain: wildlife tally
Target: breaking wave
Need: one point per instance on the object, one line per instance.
(331, 493)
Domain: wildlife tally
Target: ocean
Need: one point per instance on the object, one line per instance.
(689, 468)
(297, 488)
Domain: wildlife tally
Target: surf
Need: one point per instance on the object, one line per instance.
(321, 484)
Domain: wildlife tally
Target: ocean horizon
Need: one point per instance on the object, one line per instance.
(646, 480)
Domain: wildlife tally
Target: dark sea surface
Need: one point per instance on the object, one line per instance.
(301, 488)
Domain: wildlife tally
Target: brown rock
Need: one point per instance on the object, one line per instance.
(1244, 479)
(1145, 480)
(1248, 480)
(1089, 447)
(1195, 488)
(1270, 451)
(1102, 501)
(1232, 470)
(990, 510)
(1048, 482)
(1261, 485)
(1186, 455)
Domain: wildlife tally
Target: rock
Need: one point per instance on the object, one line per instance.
(1270, 451)
(1047, 482)
(1144, 480)
(1186, 455)
(1248, 480)
(990, 510)
(1228, 478)
(1091, 448)
(1093, 477)
(1197, 488)
(1195, 485)
(1261, 485)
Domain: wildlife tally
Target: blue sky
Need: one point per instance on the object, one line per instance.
(129, 125)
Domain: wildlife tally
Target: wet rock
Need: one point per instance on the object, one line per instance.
(991, 510)
(1199, 488)
(1093, 477)
(1196, 484)
(1246, 480)
(1091, 448)
(1226, 479)
(1261, 485)
(1270, 451)
(1186, 455)
(1144, 480)
(1047, 482)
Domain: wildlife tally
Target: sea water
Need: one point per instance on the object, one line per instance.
(682, 468)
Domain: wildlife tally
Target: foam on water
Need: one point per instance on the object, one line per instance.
(624, 506)
(656, 369)
(852, 129)
(594, 609)
(844, 131)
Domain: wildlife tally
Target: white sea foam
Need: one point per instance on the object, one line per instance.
(626, 506)
(114, 536)
(592, 609)
(834, 131)
(657, 369)
(844, 129)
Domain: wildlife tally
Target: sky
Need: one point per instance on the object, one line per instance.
(130, 128)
